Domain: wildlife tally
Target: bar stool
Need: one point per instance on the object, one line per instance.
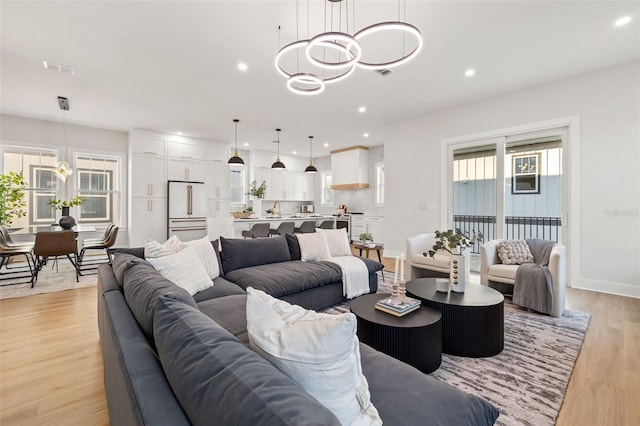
(307, 227)
(257, 230)
(283, 228)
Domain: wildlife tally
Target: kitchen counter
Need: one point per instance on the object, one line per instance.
(285, 218)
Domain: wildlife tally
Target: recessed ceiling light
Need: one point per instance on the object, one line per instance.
(366, 135)
(362, 109)
(470, 72)
(326, 145)
(294, 152)
(621, 22)
(180, 133)
(68, 69)
(242, 66)
(246, 144)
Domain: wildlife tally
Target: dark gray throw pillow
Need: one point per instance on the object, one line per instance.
(238, 253)
(135, 251)
(120, 263)
(143, 286)
(220, 381)
(294, 247)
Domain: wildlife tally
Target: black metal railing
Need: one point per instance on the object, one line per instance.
(474, 224)
(516, 227)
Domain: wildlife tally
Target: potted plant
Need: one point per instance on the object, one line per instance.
(66, 221)
(258, 193)
(12, 192)
(367, 239)
(455, 243)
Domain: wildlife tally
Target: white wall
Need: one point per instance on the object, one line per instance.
(608, 104)
(21, 131)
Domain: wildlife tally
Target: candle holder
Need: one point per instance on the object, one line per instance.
(402, 291)
(395, 292)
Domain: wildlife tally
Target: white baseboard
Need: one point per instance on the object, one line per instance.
(608, 287)
(392, 253)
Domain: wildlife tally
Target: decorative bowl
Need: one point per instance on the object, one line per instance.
(241, 215)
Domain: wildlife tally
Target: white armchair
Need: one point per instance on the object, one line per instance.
(493, 271)
(419, 266)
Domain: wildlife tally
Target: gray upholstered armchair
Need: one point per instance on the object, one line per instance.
(494, 273)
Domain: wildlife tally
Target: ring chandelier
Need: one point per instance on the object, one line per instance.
(347, 50)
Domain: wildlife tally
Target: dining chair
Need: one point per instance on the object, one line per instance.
(283, 229)
(307, 227)
(257, 230)
(103, 243)
(54, 244)
(10, 249)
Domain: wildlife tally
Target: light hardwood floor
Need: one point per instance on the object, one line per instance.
(51, 365)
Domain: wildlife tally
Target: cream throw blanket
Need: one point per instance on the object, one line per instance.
(355, 275)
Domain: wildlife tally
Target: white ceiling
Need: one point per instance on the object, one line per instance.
(172, 66)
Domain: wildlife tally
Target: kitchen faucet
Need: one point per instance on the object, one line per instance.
(277, 212)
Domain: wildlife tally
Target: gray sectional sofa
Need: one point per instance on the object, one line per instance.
(175, 359)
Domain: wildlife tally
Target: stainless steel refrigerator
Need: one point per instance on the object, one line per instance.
(187, 210)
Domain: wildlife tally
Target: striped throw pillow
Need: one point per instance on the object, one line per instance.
(184, 269)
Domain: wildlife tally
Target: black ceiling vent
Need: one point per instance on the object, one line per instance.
(383, 71)
(64, 103)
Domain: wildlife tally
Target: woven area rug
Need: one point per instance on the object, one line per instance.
(49, 281)
(528, 379)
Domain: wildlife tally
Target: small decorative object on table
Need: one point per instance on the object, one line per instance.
(455, 244)
(66, 221)
(367, 239)
(442, 285)
(398, 304)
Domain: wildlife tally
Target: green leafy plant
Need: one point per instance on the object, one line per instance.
(59, 204)
(257, 191)
(366, 236)
(450, 241)
(12, 203)
(247, 209)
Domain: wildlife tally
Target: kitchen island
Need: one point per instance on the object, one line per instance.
(240, 225)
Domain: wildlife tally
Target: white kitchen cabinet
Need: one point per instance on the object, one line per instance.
(185, 150)
(216, 178)
(148, 176)
(371, 224)
(218, 207)
(220, 227)
(186, 169)
(148, 221)
(143, 143)
(217, 151)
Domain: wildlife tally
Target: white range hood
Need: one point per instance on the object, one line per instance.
(350, 168)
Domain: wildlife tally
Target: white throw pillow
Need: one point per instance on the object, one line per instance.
(184, 269)
(514, 252)
(313, 246)
(337, 240)
(207, 256)
(153, 249)
(320, 352)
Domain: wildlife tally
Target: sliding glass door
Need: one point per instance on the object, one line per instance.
(507, 187)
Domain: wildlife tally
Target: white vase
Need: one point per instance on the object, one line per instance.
(257, 207)
(460, 271)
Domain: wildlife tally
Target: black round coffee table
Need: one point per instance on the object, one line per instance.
(472, 322)
(415, 338)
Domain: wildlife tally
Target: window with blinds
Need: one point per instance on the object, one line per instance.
(97, 181)
(37, 166)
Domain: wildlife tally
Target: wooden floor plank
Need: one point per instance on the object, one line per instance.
(51, 364)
